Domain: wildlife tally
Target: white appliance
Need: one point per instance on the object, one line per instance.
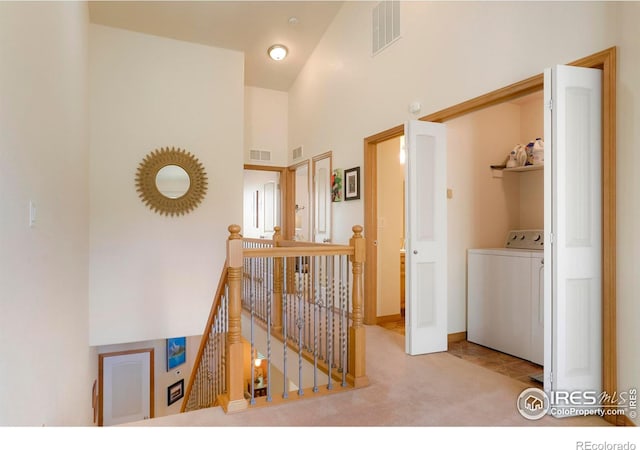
(505, 295)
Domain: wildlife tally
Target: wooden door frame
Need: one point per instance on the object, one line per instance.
(314, 161)
(283, 189)
(101, 358)
(290, 200)
(605, 60)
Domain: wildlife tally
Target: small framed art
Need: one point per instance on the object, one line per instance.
(336, 185)
(175, 392)
(352, 184)
(176, 352)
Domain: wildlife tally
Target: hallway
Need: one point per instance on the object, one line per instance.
(429, 390)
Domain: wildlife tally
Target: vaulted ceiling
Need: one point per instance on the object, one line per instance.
(248, 26)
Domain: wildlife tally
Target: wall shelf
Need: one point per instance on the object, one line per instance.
(497, 171)
(524, 168)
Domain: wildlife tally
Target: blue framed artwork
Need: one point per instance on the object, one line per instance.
(176, 352)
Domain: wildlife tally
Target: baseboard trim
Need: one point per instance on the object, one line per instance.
(457, 337)
(387, 319)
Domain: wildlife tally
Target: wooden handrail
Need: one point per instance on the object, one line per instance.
(203, 342)
(258, 241)
(284, 243)
(287, 252)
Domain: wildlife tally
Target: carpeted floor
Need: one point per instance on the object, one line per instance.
(428, 390)
(491, 359)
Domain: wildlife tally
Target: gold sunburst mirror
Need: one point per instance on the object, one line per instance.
(171, 181)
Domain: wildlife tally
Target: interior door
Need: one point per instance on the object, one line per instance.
(426, 249)
(322, 219)
(573, 234)
(301, 201)
(126, 387)
(261, 204)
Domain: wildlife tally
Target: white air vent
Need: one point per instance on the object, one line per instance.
(385, 25)
(259, 155)
(297, 152)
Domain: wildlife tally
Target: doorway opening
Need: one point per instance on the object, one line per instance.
(390, 248)
(606, 61)
(263, 197)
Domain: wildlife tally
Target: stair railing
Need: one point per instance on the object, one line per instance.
(303, 309)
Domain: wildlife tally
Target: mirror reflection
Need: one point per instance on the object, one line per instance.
(172, 181)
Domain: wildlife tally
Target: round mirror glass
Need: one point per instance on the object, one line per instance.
(172, 181)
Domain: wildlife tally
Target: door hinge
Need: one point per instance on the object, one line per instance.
(549, 104)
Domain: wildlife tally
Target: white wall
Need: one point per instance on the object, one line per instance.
(153, 276)
(45, 377)
(266, 124)
(448, 52)
(628, 200)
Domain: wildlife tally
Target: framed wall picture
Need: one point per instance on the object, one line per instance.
(352, 184)
(175, 392)
(336, 185)
(176, 352)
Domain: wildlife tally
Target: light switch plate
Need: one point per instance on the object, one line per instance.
(32, 213)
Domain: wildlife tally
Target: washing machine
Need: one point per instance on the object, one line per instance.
(505, 295)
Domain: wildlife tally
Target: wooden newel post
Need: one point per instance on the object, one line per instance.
(278, 281)
(233, 399)
(357, 344)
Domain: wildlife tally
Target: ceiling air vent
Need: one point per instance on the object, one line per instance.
(385, 25)
(297, 152)
(260, 155)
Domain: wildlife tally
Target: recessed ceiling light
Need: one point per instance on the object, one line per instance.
(277, 52)
(293, 20)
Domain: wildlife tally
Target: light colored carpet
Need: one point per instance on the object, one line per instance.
(417, 391)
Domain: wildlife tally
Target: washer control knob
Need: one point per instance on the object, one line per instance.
(537, 238)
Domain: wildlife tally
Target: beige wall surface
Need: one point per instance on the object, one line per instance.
(153, 276)
(390, 226)
(531, 183)
(45, 375)
(266, 124)
(482, 208)
(628, 200)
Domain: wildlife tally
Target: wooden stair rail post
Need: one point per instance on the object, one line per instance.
(357, 344)
(233, 400)
(278, 280)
